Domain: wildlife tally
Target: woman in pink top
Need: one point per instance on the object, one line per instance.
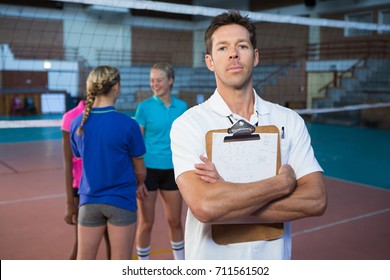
(73, 171)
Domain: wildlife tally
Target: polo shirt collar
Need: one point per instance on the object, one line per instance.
(219, 106)
(261, 105)
(103, 109)
(159, 101)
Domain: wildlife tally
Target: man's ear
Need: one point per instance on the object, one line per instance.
(256, 57)
(209, 62)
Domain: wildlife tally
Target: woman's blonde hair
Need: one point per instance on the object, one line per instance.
(167, 68)
(99, 82)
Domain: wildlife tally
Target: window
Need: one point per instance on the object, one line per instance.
(365, 17)
(384, 18)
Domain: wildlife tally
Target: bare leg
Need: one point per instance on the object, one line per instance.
(121, 241)
(73, 254)
(89, 241)
(108, 246)
(172, 202)
(146, 219)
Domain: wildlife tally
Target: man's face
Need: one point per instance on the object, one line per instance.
(232, 57)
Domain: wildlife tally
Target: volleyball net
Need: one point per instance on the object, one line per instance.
(328, 70)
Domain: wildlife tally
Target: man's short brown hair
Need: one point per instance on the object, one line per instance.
(231, 17)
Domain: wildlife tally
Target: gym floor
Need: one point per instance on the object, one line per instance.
(355, 226)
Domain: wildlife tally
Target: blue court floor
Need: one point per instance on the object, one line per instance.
(354, 154)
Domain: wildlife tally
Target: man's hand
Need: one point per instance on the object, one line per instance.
(288, 173)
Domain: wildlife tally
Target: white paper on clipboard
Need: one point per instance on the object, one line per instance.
(245, 161)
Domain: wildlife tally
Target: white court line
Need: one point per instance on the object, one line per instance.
(342, 222)
(32, 199)
(29, 123)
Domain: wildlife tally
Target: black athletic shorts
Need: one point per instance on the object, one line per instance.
(163, 179)
(76, 192)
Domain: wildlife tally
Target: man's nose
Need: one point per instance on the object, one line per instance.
(233, 53)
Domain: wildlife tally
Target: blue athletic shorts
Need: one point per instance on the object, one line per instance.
(93, 215)
(163, 179)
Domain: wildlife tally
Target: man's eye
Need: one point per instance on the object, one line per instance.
(222, 48)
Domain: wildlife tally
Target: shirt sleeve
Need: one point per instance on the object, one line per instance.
(185, 106)
(301, 155)
(136, 141)
(73, 141)
(187, 144)
(65, 124)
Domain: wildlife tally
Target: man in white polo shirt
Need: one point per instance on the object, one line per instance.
(297, 191)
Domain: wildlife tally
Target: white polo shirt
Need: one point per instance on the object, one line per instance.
(188, 143)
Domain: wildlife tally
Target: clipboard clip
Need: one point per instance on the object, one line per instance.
(242, 131)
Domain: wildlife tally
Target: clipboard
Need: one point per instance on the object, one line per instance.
(244, 148)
